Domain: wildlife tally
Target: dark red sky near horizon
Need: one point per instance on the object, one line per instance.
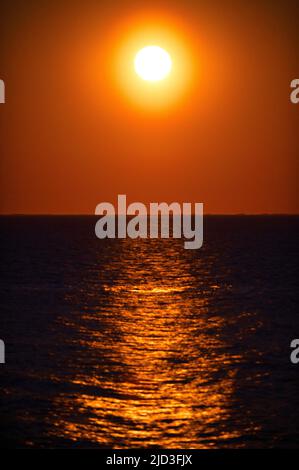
(70, 137)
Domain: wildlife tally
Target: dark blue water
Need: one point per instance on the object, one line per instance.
(141, 343)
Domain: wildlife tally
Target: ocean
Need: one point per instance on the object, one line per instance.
(142, 343)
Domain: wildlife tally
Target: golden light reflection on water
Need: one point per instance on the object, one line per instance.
(159, 375)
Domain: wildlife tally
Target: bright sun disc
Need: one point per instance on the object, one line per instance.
(152, 63)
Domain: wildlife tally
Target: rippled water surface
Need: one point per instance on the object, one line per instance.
(141, 343)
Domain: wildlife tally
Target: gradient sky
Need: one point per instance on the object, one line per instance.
(71, 137)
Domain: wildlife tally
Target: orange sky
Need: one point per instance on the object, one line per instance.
(74, 132)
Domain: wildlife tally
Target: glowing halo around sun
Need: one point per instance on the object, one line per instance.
(152, 63)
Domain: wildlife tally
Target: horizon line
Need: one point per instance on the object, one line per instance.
(217, 214)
